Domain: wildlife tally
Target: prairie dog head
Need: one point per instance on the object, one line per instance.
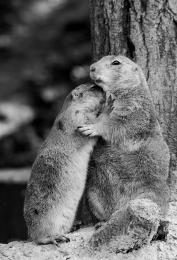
(112, 72)
(82, 105)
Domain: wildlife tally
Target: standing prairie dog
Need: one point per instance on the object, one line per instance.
(129, 166)
(60, 169)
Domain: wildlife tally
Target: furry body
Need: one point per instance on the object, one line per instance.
(130, 162)
(60, 169)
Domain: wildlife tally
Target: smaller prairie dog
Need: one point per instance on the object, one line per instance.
(60, 169)
(128, 170)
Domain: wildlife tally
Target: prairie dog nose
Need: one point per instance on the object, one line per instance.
(92, 68)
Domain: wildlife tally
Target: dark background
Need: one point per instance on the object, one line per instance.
(45, 51)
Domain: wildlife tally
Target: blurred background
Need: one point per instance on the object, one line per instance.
(45, 51)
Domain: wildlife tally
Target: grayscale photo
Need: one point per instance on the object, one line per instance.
(88, 130)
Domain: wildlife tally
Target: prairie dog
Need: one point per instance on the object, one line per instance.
(129, 190)
(60, 169)
(127, 90)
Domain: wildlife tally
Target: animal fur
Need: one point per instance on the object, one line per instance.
(130, 162)
(60, 169)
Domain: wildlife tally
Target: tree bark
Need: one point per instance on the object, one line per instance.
(145, 31)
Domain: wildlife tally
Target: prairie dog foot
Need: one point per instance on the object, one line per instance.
(129, 229)
(54, 240)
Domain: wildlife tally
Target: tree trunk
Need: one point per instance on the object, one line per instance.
(145, 31)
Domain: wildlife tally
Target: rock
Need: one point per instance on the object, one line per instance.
(142, 222)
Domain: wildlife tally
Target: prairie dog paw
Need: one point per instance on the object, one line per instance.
(88, 130)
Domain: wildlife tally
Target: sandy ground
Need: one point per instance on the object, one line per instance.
(78, 248)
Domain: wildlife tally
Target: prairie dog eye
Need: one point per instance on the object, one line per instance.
(115, 62)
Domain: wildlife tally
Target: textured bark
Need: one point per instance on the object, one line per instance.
(145, 31)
